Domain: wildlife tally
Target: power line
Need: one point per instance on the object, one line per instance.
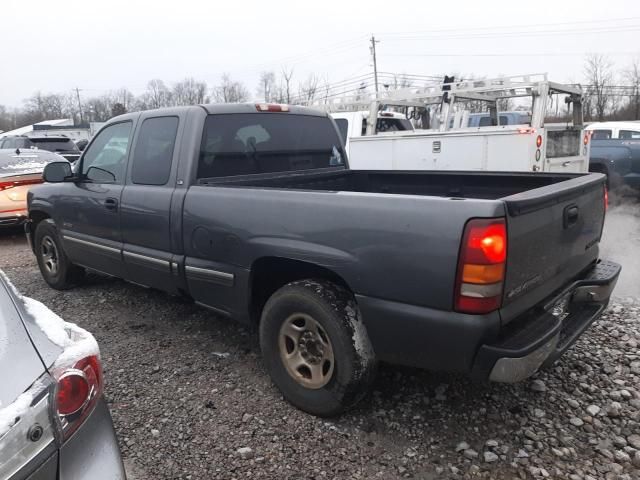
(520, 54)
(497, 27)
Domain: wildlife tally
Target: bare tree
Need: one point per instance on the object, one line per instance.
(287, 75)
(308, 89)
(189, 92)
(632, 75)
(230, 91)
(157, 94)
(599, 75)
(266, 86)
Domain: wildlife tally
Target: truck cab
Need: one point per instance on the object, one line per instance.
(614, 130)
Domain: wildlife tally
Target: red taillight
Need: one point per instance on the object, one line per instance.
(77, 391)
(271, 107)
(72, 392)
(539, 141)
(19, 183)
(606, 198)
(585, 140)
(481, 268)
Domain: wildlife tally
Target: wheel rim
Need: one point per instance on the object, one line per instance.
(49, 253)
(306, 351)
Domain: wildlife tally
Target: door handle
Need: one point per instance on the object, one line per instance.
(111, 204)
(566, 164)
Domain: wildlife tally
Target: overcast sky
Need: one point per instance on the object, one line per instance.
(55, 46)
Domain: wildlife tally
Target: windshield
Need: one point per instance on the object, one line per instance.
(55, 144)
(245, 144)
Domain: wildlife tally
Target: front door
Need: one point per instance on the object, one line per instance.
(90, 208)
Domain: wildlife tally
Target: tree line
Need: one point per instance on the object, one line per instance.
(272, 87)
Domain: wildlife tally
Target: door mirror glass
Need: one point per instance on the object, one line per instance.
(56, 172)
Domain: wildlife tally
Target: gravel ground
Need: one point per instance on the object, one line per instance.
(190, 400)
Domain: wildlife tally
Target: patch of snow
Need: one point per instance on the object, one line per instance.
(11, 285)
(14, 411)
(76, 342)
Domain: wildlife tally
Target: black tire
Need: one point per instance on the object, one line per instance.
(49, 253)
(335, 314)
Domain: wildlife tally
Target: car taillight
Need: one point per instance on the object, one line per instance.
(19, 183)
(271, 107)
(585, 140)
(481, 267)
(606, 199)
(539, 141)
(78, 387)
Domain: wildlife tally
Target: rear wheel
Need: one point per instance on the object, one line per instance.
(316, 348)
(55, 267)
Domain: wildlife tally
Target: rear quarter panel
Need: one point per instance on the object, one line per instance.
(396, 247)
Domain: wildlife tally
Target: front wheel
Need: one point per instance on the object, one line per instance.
(56, 269)
(316, 348)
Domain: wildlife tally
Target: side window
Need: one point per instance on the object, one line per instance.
(629, 135)
(601, 134)
(105, 159)
(153, 152)
(343, 127)
(8, 143)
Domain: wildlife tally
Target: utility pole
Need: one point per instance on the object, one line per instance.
(375, 63)
(79, 104)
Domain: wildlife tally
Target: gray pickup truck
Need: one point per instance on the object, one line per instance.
(252, 211)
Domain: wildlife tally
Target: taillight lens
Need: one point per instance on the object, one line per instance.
(539, 141)
(19, 183)
(77, 391)
(606, 198)
(481, 268)
(72, 392)
(585, 140)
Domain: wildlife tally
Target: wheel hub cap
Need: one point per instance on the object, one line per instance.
(49, 253)
(306, 351)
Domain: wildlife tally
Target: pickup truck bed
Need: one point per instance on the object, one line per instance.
(259, 218)
(478, 185)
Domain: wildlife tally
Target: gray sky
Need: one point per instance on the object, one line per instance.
(54, 46)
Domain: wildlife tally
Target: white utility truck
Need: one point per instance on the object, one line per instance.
(449, 143)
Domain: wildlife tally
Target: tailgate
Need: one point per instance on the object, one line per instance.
(553, 235)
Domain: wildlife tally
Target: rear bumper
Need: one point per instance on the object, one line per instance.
(543, 334)
(477, 344)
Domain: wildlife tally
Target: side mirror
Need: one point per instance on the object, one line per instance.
(56, 172)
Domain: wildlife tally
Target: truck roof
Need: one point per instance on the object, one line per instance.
(222, 108)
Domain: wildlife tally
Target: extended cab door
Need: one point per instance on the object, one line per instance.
(146, 202)
(88, 211)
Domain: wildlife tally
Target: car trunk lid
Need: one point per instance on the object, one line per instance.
(553, 235)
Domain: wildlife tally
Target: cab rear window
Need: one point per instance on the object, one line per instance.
(248, 144)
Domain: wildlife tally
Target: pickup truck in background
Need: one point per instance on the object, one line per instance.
(253, 212)
(619, 160)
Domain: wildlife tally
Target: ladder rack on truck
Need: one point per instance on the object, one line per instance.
(450, 143)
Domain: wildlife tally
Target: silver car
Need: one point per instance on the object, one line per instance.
(54, 422)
